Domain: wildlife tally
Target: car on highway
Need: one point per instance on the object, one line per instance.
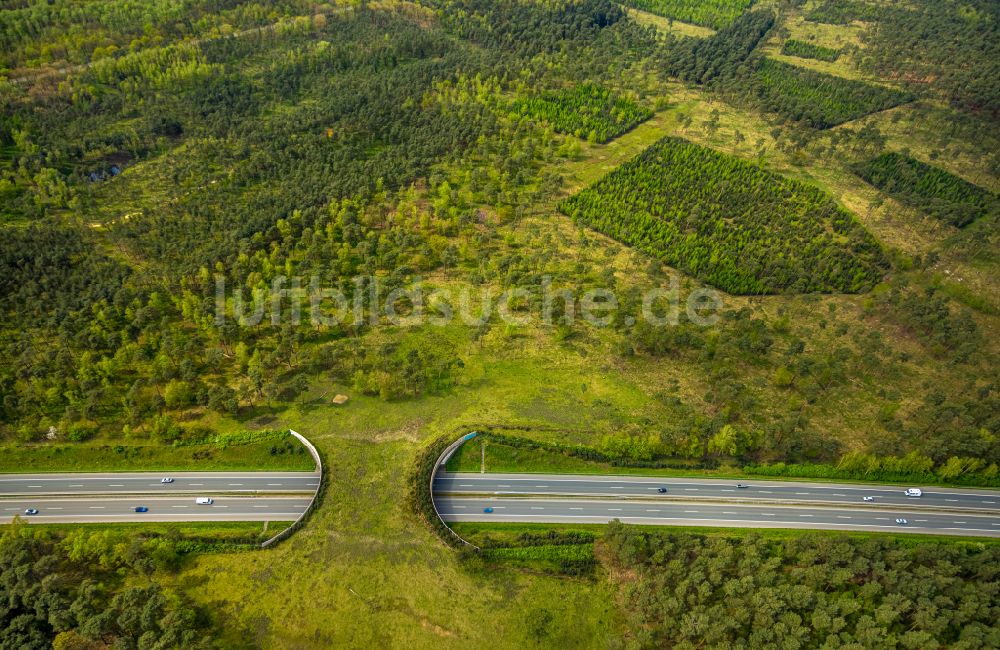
(913, 492)
(661, 490)
(204, 501)
(902, 522)
(487, 510)
(166, 480)
(742, 485)
(141, 509)
(868, 499)
(31, 511)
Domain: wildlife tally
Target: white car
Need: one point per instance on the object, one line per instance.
(166, 480)
(868, 499)
(902, 522)
(204, 501)
(913, 492)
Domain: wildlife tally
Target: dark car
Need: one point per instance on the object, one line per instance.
(141, 509)
(661, 490)
(487, 510)
(31, 511)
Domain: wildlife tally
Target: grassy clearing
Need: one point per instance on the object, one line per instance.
(139, 458)
(666, 26)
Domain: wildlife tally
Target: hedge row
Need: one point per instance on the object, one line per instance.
(794, 470)
(589, 453)
(224, 440)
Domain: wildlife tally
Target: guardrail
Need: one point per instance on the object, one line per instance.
(441, 461)
(286, 533)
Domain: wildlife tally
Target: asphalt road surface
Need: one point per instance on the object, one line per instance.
(711, 488)
(122, 509)
(581, 510)
(149, 483)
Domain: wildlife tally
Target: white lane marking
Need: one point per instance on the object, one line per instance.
(690, 512)
(769, 514)
(273, 484)
(842, 517)
(465, 485)
(727, 490)
(576, 508)
(952, 500)
(53, 508)
(217, 506)
(617, 487)
(690, 489)
(115, 485)
(990, 502)
(615, 509)
(728, 513)
(801, 494)
(311, 484)
(919, 520)
(542, 486)
(960, 522)
(502, 485)
(97, 507)
(805, 515)
(537, 508)
(178, 506)
(499, 507)
(766, 492)
(452, 506)
(267, 506)
(839, 495)
(34, 486)
(77, 485)
(654, 511)
(198, 484)
(236, 484)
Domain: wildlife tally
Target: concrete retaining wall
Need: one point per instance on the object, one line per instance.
(285, 534)
(442, 459)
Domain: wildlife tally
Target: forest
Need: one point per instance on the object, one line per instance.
(943, 195)
(810, 591)
(712, 13)
(816, 99)
(805, 50)
(940, 49)
(68, 592)
(151, 152)
(730, 223)
(586, 111)
(842, 12)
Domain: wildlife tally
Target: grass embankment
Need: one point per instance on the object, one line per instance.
(278, 453)
(483, 533)
(223, 531)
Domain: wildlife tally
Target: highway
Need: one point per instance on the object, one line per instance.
(149, 483)
(736, 515)
(121, 509)
(714, 489)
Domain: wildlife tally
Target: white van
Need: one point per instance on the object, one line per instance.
(204, 501)
(913, 492)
